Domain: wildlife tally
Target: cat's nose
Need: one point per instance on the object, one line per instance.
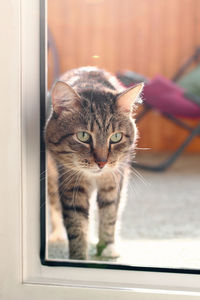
(101, 163)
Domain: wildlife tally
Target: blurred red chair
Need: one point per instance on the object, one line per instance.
(172, 101)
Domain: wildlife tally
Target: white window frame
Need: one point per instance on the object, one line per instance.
(22, 276)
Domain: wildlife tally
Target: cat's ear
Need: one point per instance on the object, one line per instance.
(63, 97)
(127, 99)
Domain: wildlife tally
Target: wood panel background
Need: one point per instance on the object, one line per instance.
(147, 36)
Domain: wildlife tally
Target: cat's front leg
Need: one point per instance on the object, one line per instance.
(58, 231)
(108, 198)
(75, 208)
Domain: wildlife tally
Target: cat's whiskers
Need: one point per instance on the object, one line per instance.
(123, 176)
(139, 176)
(63, 172)
(137, 148)
(60, 173)
(66, 181)
(66, 169)
(116, 181)
(135, 173)
(44, 175)
(129, 186)
(65, 185)
(44, 203)
(75, 191)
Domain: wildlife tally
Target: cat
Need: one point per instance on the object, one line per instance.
(90, 138)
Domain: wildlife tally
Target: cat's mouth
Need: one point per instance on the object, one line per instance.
(98, 171)
(95, 170)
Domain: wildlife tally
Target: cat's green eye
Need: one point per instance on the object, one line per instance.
(116, 137)
(83, 136)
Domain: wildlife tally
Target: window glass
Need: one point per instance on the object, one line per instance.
(96, 210)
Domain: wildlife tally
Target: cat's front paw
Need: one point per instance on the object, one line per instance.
(110, 251)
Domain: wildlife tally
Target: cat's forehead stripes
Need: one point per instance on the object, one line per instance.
(99, 108)
(101, 127)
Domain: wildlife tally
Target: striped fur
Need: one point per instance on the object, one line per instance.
(89, 102)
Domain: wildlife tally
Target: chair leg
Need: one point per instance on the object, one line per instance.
(168, 162)
(178, 122)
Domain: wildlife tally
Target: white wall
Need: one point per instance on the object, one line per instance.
(9, 142)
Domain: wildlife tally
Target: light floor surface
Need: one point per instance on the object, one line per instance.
(160, 223)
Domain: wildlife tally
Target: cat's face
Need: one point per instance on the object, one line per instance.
(93, 133)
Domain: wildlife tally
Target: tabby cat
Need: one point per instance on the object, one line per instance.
(90, 138)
